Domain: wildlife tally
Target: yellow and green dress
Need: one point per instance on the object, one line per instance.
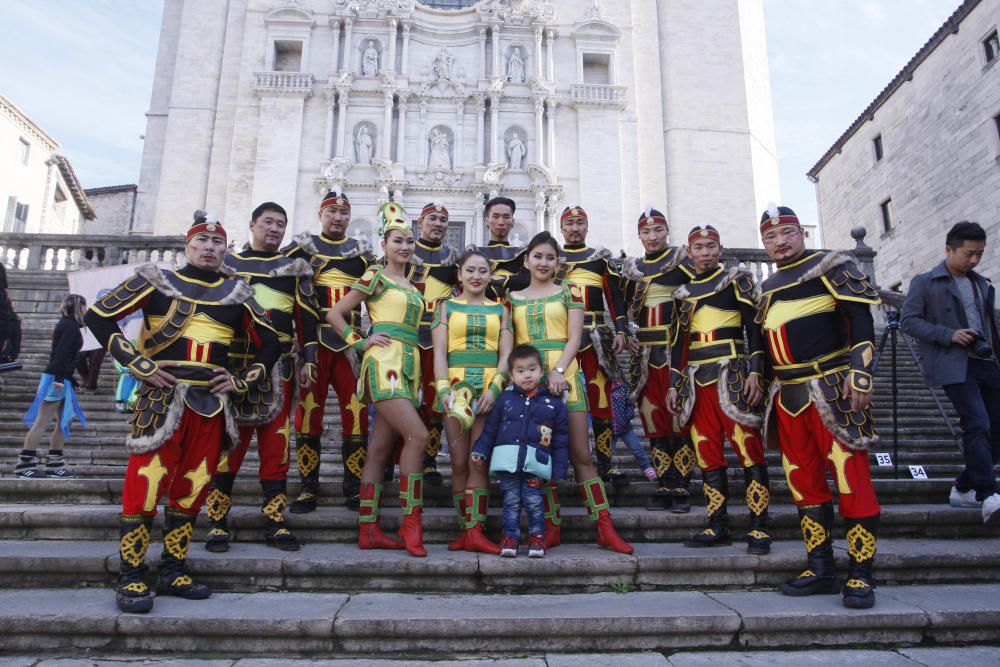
(391, 371)
(473, 354)
(544, 324)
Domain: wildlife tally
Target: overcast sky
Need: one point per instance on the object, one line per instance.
(83, 71)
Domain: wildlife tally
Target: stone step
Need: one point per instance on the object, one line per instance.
(418, 624)
(86, 521)
(572, 568)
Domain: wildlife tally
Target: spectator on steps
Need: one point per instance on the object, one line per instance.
(55, 399)
(950, 311)
(88, 365)
(10, 324)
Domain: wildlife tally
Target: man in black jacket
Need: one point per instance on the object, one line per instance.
(950, 311)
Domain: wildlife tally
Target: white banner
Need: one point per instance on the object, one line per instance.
(95, 283)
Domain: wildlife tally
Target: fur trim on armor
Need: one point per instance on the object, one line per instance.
(831, 261)
(227, 270)
(602, 253)
(643, 375)
(362, 247)
(154, 275)
(681, 293)
(830, 420)
(305, 241)
(241, 292)
(743, 418)
(298, 268)
(153, 441)
(770, 440)
(354, 358)
(418, 262)
(232, 430)
(687, 405)
(630, 269)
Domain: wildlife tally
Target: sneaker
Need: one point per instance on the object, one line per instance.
(508, 546)
(29, 473)
(650, 474)
(963, 499)
(991, 510)
(59, 473)
(536, 546)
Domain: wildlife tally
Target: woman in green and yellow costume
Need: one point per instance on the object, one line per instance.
(549, 315)
(472, 340)
(389, 377)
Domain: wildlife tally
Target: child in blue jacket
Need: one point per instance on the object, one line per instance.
(526, 438)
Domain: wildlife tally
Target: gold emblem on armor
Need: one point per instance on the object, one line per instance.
(813, 532)
(133, 545)
(856, 583)
(217, 505)
(684, 459)
(137, 587)
(575, 211)
(661, 461)
(714, 499)
(275, 508)
(356, 462)
(182, 580)
(340, 201)
(860, 543)
(307, 459)
(758, 535)
(604, 443)
(758, 497)
(177, 540)
(703, 233)
(253, 374)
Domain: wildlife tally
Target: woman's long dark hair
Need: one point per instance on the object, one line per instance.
(74, 306)
(541, 238)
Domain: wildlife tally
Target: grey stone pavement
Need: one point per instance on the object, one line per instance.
(966, 656)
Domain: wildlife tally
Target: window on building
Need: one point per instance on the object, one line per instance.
(23, 148)
(991, 46)
(17, 216)
(287, 56)
(888, 222)
(597, 68)
(877, 145)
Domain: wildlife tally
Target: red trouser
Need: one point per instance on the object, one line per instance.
(710, 426)
(598, 384)
(657, 421)
(182, 467)
(272, 441)
(808, 449)
(332, 368)
(427, 378)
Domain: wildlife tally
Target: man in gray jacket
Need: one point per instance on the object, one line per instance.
(950, 311)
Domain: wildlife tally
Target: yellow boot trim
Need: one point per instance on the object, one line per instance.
(217, 505)
(307, 459)
(132, 545)
(274, 509)
(861, 543)
(813, 532)
(758, 497)
(177, 541)
(684, 460)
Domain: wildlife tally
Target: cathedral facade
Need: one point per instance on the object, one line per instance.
(613, 106)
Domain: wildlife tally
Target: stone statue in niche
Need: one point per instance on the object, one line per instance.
(369, 63)
(364, 143)
(515, 152)
(440, 157)
(442, 65)
(515, 66)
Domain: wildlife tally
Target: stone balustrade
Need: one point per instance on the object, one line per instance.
(69, 252)
(598, 94)
(283, 83)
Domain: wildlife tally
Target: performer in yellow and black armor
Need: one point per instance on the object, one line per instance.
(650, 282)
(598, 279)
(434, 275)
(183, 416)
(390, 378)
(716, 386)
(506, 260)
(337, 261)
(283, 287)
(815, 311)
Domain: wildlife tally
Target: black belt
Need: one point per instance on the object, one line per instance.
(717, 350)
(813, 369)
(593, 319)
(653, 336)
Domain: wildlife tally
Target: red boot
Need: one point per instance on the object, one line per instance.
(370, 535)
(596, 500)
(553, 520)
(476, 506)
(459, 500)
(411, 498)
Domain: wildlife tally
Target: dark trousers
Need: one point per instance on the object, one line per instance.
(89, 367)
(977, 401)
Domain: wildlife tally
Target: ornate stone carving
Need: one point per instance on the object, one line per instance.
(515, 65)
(439, 156)
(442, 65)
(494, 170)
(370, 59)
(364, 142)
(515, 139)
(374, 9)
(517, 12)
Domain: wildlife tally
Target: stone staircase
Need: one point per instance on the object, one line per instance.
(937, 569)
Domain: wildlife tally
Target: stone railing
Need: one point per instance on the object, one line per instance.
(598, 94)
(68, 252)
(283, 83)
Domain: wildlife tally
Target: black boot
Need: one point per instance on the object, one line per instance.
(431, 474)
(758, 496)
(307, 451)
(821, 576)
(603, 438)
(660, 450)
(716, 486)
(355, 452)
(217, 506)
(862, 540)
(680, 483)
(132, 594)
(275, 500)
(177, 532)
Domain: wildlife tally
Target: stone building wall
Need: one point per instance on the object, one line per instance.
(114, 208)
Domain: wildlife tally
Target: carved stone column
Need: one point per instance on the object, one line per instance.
(538, 51)
(539, 209)
(401, 134)
(482, 52)
(480, 127)
(552, 103)
(328, 134)
(422, 136)
(459, 146)
(348, 44)
(403, 65)
(550, 37)
(495, 154)
(540, 131)
(495, 71)
(383, 144)
(342, 99)
(335, 56)
(390, 63)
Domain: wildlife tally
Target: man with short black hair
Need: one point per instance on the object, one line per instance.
(950, 311)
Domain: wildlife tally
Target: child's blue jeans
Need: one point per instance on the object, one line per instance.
(632, 440)
(516, 494)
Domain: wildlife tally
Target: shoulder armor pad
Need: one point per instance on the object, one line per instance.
(470, 247)
(371, 275)
(602, 253)
(152, 273)
(630, 269)
(240, 293)
(305, 243)
(297, 267)
(124, 295)
(258, 311)
(417, 262)
(681, 293)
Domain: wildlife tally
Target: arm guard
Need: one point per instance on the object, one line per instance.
(102, 316)
(615, 297)
(748, 311)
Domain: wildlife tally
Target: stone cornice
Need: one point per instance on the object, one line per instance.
(27, 125)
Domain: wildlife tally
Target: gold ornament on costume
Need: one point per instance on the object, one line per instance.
(758, 497)
(714, 499)
(392, 217)
(133, 545)
(177, 540)
(217, 505)
(307, 458)
(860, 543)
(813, 532)
(274, 510)
(684, 459)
